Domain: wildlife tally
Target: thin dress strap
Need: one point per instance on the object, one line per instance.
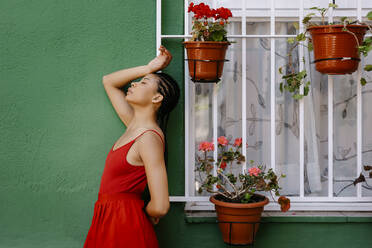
(155, 132)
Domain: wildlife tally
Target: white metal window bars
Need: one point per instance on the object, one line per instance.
(301, 203)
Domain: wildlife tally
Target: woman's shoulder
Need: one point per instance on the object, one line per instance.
(156, 129)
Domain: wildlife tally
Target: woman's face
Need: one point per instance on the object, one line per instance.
(144, 92)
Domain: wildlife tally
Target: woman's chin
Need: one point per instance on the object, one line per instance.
(128, 98)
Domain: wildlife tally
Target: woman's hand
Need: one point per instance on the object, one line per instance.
(154, 220)
(161, 61)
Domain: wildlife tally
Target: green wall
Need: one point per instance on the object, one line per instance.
(57, 125)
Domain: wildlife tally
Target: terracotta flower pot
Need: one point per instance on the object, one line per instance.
(241, 233)
(331, 43)
(206, 50)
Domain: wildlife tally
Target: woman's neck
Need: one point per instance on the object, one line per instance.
(143, 118)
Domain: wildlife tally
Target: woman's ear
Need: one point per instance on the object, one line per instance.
(157, 98)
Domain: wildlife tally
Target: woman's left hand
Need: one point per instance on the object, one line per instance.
(154, 220)
(161, 61)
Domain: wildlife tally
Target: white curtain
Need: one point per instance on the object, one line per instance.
(229, 94)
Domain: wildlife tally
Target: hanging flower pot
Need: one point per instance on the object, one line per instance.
(239, 222)
(207, 48)
(336, 50)
(206, 59)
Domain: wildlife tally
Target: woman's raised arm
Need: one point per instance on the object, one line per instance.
(114, 81)
(112, 84)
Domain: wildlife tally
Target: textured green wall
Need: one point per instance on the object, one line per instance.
(57, 124)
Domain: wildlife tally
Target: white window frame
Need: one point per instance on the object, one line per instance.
(301, 203)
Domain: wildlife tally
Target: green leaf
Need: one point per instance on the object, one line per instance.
(367, 41)
(306, 19)
(332, 5)
(302, 74)
(363, 81)
(368, 68)
(289, 75)
(297, 96)
(217, 36)
(290, 40)
(310, 46)
(369, 15)
(300, 37)
(280, 70)
(306, 90)
(365, 49)
(247, 196)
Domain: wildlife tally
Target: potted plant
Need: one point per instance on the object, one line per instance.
(236, 198)
(207, 48)
(336, 46)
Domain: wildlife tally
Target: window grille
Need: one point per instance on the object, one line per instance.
(333, 108)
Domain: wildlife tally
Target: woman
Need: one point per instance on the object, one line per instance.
(136, 160)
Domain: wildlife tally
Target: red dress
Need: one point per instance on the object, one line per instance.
(119, 219)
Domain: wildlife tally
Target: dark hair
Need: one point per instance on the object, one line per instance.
(170, 90)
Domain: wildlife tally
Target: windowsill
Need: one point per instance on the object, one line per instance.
(290, 216)
(305, 206)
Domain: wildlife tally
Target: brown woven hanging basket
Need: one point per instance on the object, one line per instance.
(335, 51)
(206, 59)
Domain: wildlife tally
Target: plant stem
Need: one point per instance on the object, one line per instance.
(348, 31)
(218, 192)
(228, 180)
(273, 197)
(228, 192)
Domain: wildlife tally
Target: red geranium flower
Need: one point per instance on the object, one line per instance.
(204, 11)
(223, 13)
(254, 171)
(222, 140)
(206, 146)
(191, 6)
(238, 142)
(223, 165)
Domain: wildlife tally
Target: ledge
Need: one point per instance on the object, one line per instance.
(289, 217)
